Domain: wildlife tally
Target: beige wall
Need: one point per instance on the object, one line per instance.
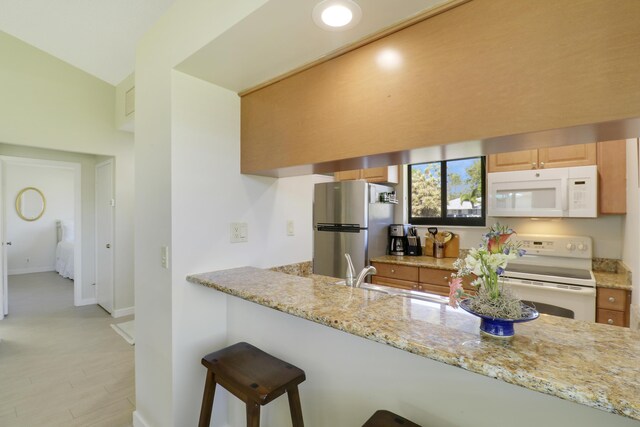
(48, 104)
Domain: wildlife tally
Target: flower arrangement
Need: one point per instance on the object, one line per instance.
(487, 263)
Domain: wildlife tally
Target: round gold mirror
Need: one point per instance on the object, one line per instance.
(30, 204)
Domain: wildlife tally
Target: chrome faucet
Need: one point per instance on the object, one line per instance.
(351, 280)
(364, 273)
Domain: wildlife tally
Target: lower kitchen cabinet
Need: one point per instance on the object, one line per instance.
(431, 280)
(613, 306)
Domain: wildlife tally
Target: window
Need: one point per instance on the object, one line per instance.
(458, 199)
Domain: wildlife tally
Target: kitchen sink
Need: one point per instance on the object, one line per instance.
(400, 292)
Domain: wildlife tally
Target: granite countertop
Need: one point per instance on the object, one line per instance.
(417, 261)
(610, 280)
(587, 363)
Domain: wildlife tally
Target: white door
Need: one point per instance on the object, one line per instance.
(4, 300)
(104, 234)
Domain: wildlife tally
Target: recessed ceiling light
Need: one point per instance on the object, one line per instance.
(336, 15)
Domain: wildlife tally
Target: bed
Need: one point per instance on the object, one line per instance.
(65, 249)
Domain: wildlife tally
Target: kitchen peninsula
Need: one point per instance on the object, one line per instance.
(416, 371)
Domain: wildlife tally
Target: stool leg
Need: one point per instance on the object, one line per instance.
(207, 400)
(294, 406)
(253, 414)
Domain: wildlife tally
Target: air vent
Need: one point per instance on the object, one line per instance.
(130, 101)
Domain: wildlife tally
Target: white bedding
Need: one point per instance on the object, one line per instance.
(64, 259)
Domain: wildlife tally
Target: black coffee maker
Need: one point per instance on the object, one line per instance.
(397, 239)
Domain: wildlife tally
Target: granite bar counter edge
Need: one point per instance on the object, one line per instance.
(592, 364)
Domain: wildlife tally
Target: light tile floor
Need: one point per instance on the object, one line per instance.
(61, 365)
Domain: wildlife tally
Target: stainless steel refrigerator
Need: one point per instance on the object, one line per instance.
(349, 218)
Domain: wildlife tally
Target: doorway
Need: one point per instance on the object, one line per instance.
(105, 205)
(39, 199)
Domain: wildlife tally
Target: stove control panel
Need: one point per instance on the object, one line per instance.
(559, 246)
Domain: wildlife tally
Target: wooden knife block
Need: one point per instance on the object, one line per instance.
(451, 248)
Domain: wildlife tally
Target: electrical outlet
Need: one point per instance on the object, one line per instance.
(164, 256)
(239, 232)
(290, 228)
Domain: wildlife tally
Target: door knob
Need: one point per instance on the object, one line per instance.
(108, 245)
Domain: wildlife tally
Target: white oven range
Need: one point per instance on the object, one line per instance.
(555, 275)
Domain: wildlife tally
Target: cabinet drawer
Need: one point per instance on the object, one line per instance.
(394, 271)
(612, 299)
(394, 283)
(435, 276)
(610, 317)
(434, 289)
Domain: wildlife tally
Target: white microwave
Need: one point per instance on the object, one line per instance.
(558, 192)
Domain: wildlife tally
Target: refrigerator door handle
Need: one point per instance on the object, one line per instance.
(341, 228)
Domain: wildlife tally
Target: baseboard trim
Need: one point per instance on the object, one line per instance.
(138, 421)
(17, 271)
(123, 312)
(87, 301)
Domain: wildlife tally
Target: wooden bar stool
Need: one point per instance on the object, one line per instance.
(254, 377)
(384, 418)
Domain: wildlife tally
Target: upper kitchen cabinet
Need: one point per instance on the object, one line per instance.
(468, 74)
(610, 156)
(513, 161)
(383, 175)
(612, 177)
(566, 156)
(551, 157)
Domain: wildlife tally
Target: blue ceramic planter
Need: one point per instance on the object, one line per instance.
(501, 328)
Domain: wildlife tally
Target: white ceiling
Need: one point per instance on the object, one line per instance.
(100, 36)
(97, 36)
(281, 36)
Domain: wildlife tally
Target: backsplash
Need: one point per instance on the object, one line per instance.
(302, 269)
(606, 231)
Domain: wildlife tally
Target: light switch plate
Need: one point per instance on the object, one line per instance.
(239, 232)
(164, 256)
(290, 228)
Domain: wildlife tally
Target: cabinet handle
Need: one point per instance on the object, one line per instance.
(610, 321)
(392, 270)
(533, 165)
(446, 277)
(612, 299)
(541, 165)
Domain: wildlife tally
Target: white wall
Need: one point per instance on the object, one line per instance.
(46, 103)
(33, 247)
(631, 229)
(205, 137)
(186, 27)
(606, 230)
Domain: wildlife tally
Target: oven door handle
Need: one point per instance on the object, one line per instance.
(548, 287)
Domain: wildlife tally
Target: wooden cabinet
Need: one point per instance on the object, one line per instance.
(567, 155)
(609, 156)
(612, 177)
(613, 306)
(550, 157)
(432, 280)
(386, 174)
(513, 161)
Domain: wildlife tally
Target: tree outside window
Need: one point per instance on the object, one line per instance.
(457, 200)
